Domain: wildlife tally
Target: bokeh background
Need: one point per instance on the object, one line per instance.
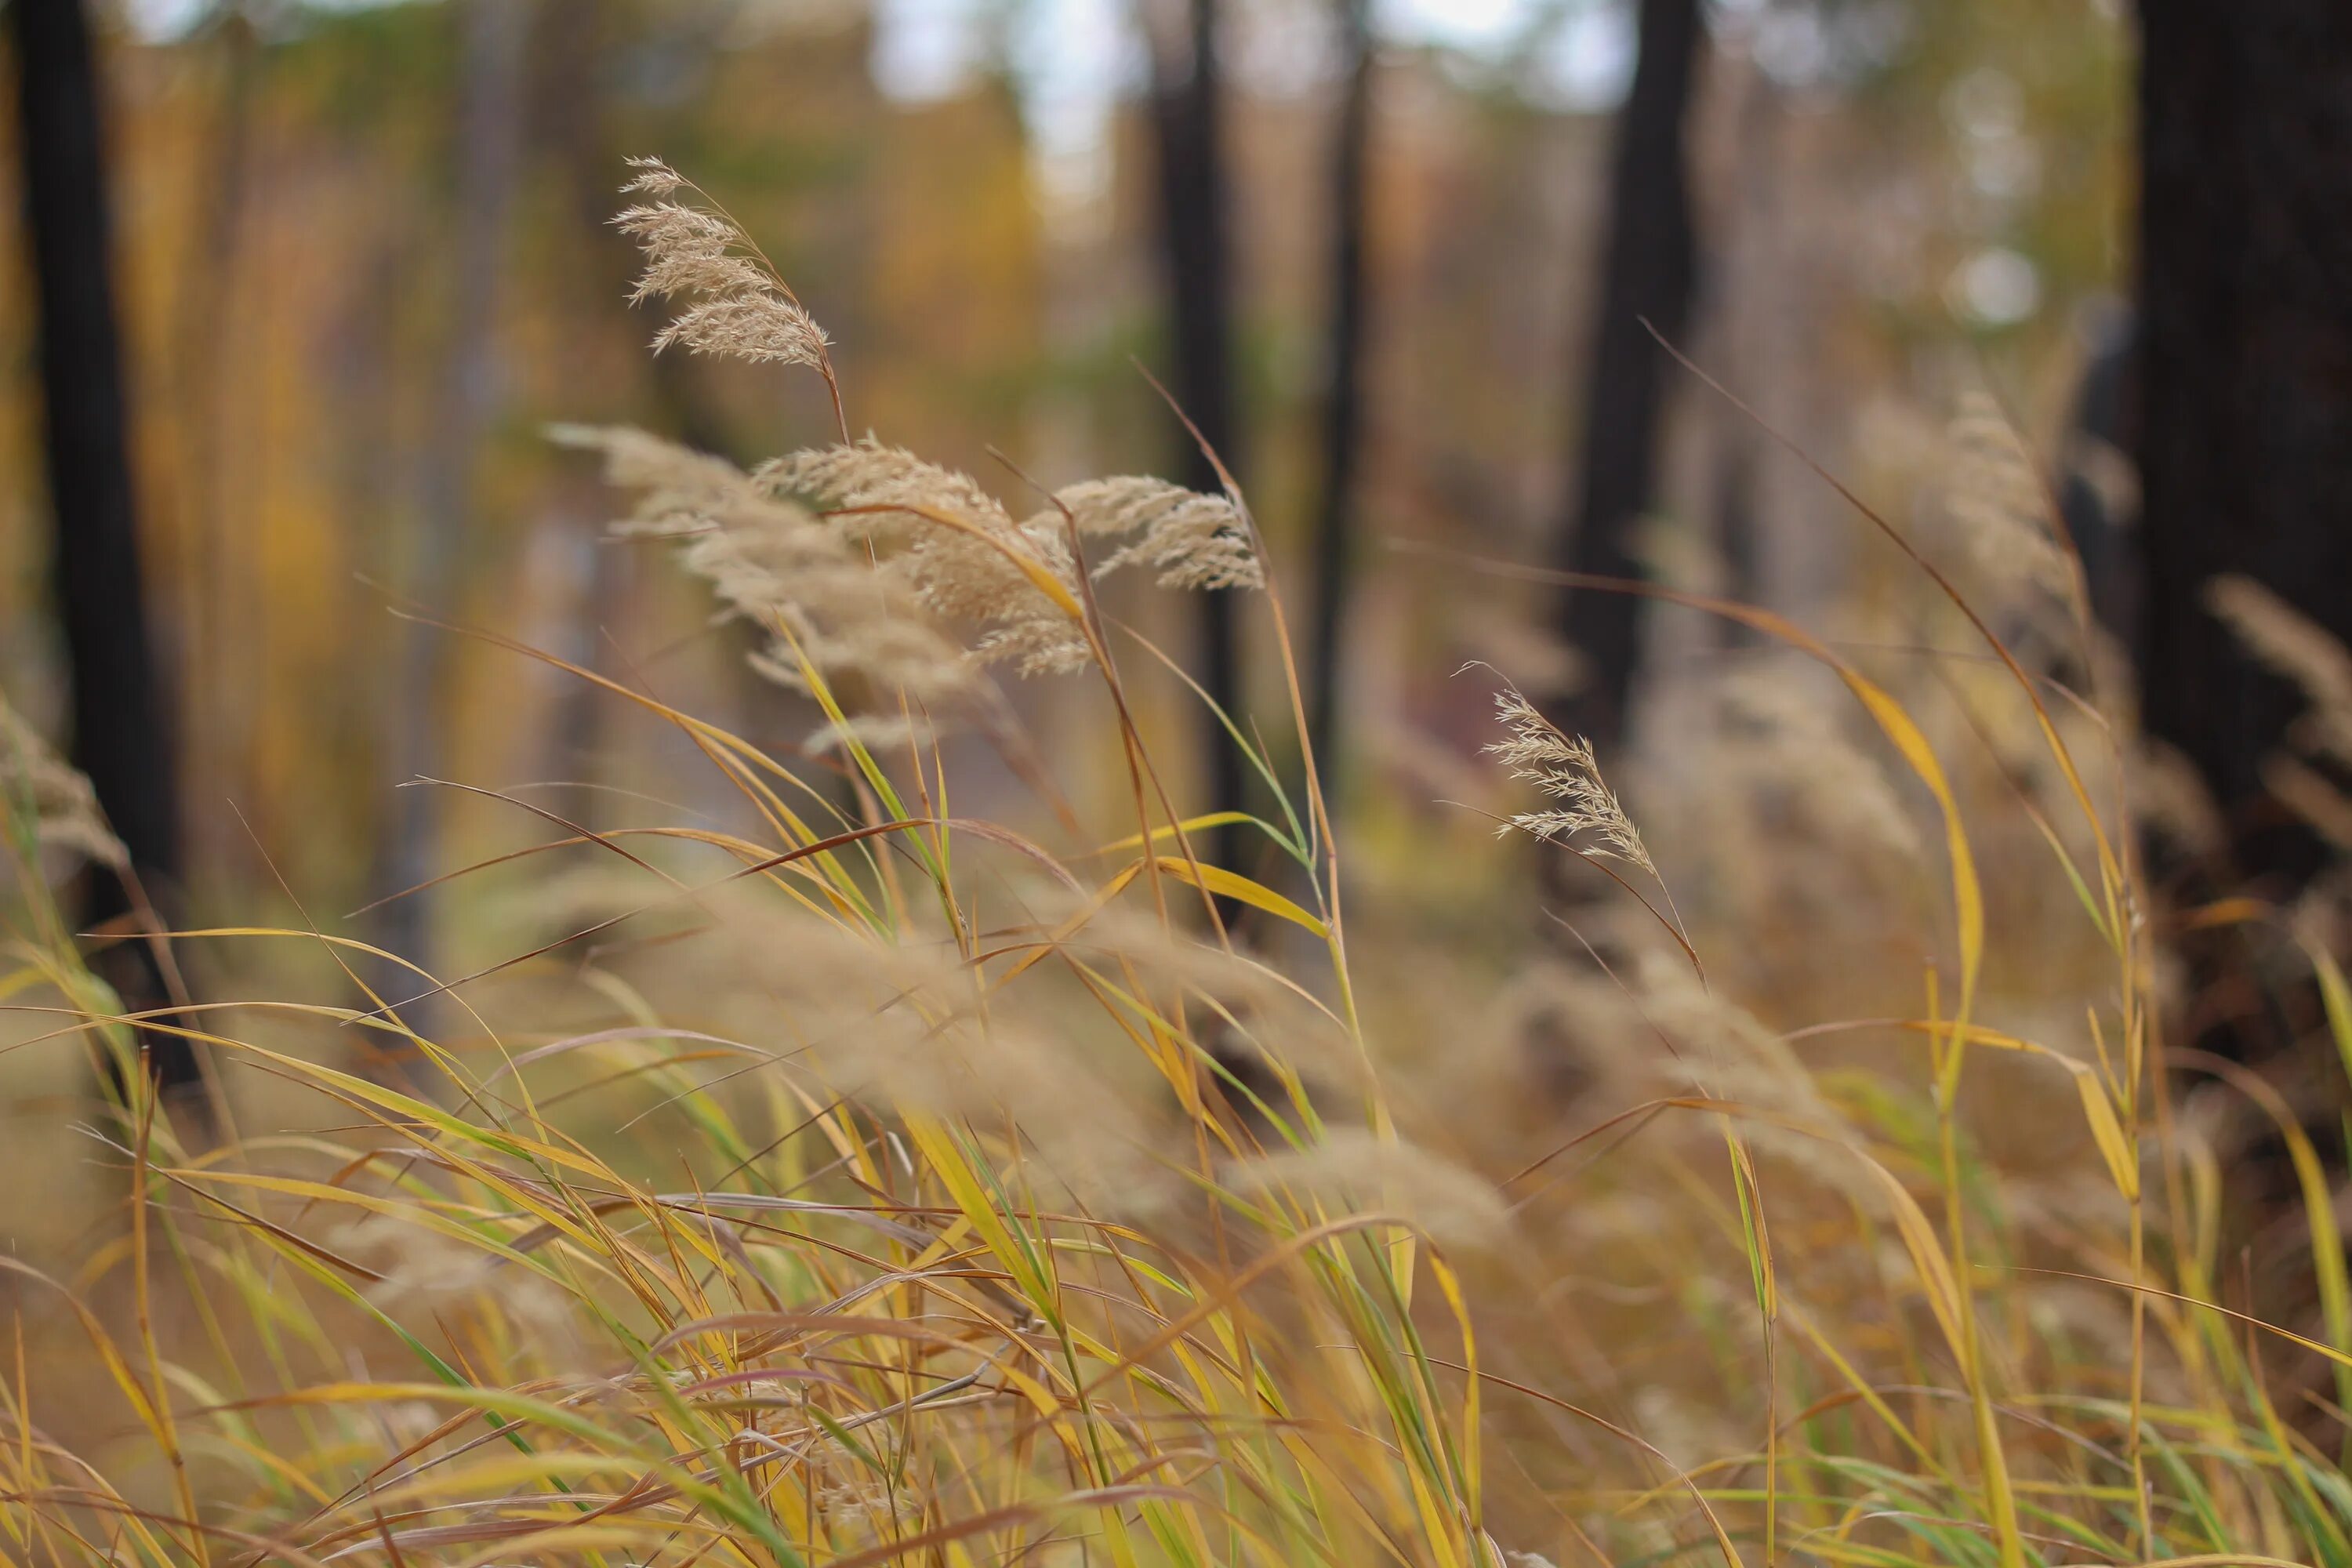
(1423, 273)
(363, 260)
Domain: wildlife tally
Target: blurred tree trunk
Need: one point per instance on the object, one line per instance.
(1649, 275)
(204, 348)
(484, 153)
(115, 696)
(1343, 412)
(575, 51)
(2245, 372)
(1186, 115)
(1736, 527)
(2245, 360)
(1750, 153)
(2097, 489)
(571, 52)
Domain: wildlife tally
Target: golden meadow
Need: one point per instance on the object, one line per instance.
(857, 1181)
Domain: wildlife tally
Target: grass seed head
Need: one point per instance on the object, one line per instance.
(1585, 813)
(54, 799)
(1356, 1172)
(952, 544)
(2291, 645)
(738, 308)
(1999, 504)
(1190, 539)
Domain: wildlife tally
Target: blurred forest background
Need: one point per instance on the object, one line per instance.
(363, 257)
(290, 295)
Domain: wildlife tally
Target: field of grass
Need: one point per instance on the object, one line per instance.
(877, 1184)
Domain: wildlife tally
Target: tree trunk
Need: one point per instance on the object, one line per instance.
(571, 58)
(1343, 412)
(576, 50)
(2244, 355)
(1187, 116)
(115, 698)
(485, 152)
(2101, 515)
(1649, 276)
(215, 585)
(2245, 372)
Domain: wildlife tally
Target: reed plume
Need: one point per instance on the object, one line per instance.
(1585, 813)
(49, 799)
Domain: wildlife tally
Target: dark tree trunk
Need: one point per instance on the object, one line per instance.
(484, 153)
(1650, 275)
(206, 333)
(116, 700)
(2102, 518)
(1343, 413)
(570, 54)
(2245, 372)
(2244, 355)
(1188, 117)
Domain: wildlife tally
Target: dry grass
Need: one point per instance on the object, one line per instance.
(972, 1201)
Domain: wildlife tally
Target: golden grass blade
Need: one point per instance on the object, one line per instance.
(1242, 889)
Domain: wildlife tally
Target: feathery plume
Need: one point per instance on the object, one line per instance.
(1563, 768)
(2170, 797)
(1794, 755)
(774, 562)
(935, 533)
(740, 307)
(900, 547)
(969, 569)
(654, 177)
(1190, 539)
(2290, 644)
(1357, 1172)
(1729, 1054)
(2305, 791)
(1999, 503)
(55, 800)
(869, 474)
